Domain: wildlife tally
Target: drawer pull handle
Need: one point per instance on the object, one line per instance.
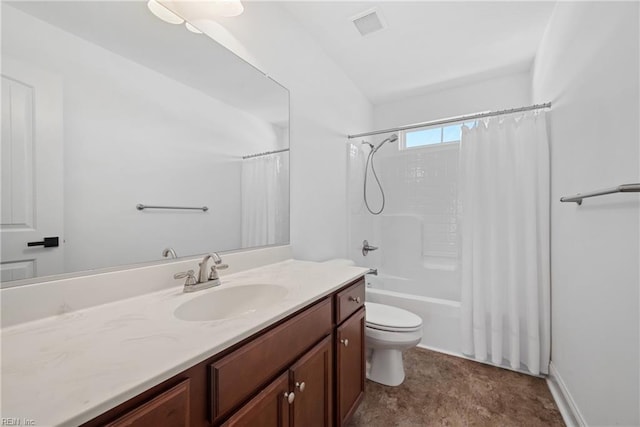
(345, 342)
(355, 299)
(290, 397)
(300, 386)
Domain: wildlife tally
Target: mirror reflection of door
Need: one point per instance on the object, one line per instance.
(32, 171)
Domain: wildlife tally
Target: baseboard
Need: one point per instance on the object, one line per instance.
(567, 406)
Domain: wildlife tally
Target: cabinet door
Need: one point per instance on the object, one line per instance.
(311, 378)
(350, 366)
(170, 409)
(270, 408)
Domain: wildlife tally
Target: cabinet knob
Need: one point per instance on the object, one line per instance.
(300, 386)
(345, 342)
(290, 397)
(355, 299)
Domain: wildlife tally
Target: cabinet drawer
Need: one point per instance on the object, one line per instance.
(349, 301)
(236, 376)
(171, 408)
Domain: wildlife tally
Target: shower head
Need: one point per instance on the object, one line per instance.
(392, 138)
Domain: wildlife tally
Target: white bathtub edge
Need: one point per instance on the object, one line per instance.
(440, 318)
(447, 302)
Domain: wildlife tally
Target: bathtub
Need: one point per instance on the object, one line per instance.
(440, 317)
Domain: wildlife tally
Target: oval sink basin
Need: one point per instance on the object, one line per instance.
(230, 302)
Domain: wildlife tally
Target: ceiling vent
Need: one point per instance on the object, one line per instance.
(368, 22)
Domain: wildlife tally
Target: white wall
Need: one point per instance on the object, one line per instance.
(497, 93)
(135, 136)
(325, 107)
(587, 65)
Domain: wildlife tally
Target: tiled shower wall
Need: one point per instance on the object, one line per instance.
(417, 232)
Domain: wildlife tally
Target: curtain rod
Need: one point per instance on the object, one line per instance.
(454, 120)
(266, 153)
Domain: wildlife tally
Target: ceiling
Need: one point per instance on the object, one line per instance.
(425, 44)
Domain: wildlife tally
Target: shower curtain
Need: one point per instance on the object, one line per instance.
(265, 200)
(504, 219)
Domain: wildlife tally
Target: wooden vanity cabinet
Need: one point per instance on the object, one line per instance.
(301, 397)
(238, 375)
(270, 408)
(350, 366)
(311, 379)
(169, 408)
(349, 300)
(299, 372)
(349, 351)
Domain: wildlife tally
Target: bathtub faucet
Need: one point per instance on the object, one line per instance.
(373, 271)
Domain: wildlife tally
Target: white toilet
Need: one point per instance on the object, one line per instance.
(389, 331)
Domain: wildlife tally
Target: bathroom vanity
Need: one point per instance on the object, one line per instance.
(299, 361)
(305, 370)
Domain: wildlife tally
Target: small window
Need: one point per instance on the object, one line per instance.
(423, 137)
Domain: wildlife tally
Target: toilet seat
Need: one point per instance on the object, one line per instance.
(393, 319)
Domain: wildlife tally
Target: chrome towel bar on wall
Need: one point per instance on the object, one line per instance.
(623, 188)
(140, 207)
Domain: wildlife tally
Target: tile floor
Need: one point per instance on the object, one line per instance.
(443, 390)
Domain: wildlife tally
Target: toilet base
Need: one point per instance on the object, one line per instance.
(387, 367)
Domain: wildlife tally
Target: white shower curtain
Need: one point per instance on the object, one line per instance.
(265, 200)
(504, 220)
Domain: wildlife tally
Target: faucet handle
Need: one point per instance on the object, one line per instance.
(189, 275)
(213, 274)
(366, 248)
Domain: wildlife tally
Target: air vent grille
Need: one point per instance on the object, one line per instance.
(368, 22)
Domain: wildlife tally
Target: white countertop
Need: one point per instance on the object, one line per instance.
(67, 369)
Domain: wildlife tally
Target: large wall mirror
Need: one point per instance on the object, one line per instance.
(105, 108)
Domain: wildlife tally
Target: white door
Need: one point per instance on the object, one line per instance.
(32, 172)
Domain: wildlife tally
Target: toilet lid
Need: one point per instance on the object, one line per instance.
(386, 317)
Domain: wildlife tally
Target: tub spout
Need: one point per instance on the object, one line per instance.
(373, 271)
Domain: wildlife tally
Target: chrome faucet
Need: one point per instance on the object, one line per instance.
(169, 251)
(204, 280)
(203, 277)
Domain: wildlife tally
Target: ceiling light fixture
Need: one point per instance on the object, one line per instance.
(192, 28)
(228, 8)
(163, 13)
(194, 11)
